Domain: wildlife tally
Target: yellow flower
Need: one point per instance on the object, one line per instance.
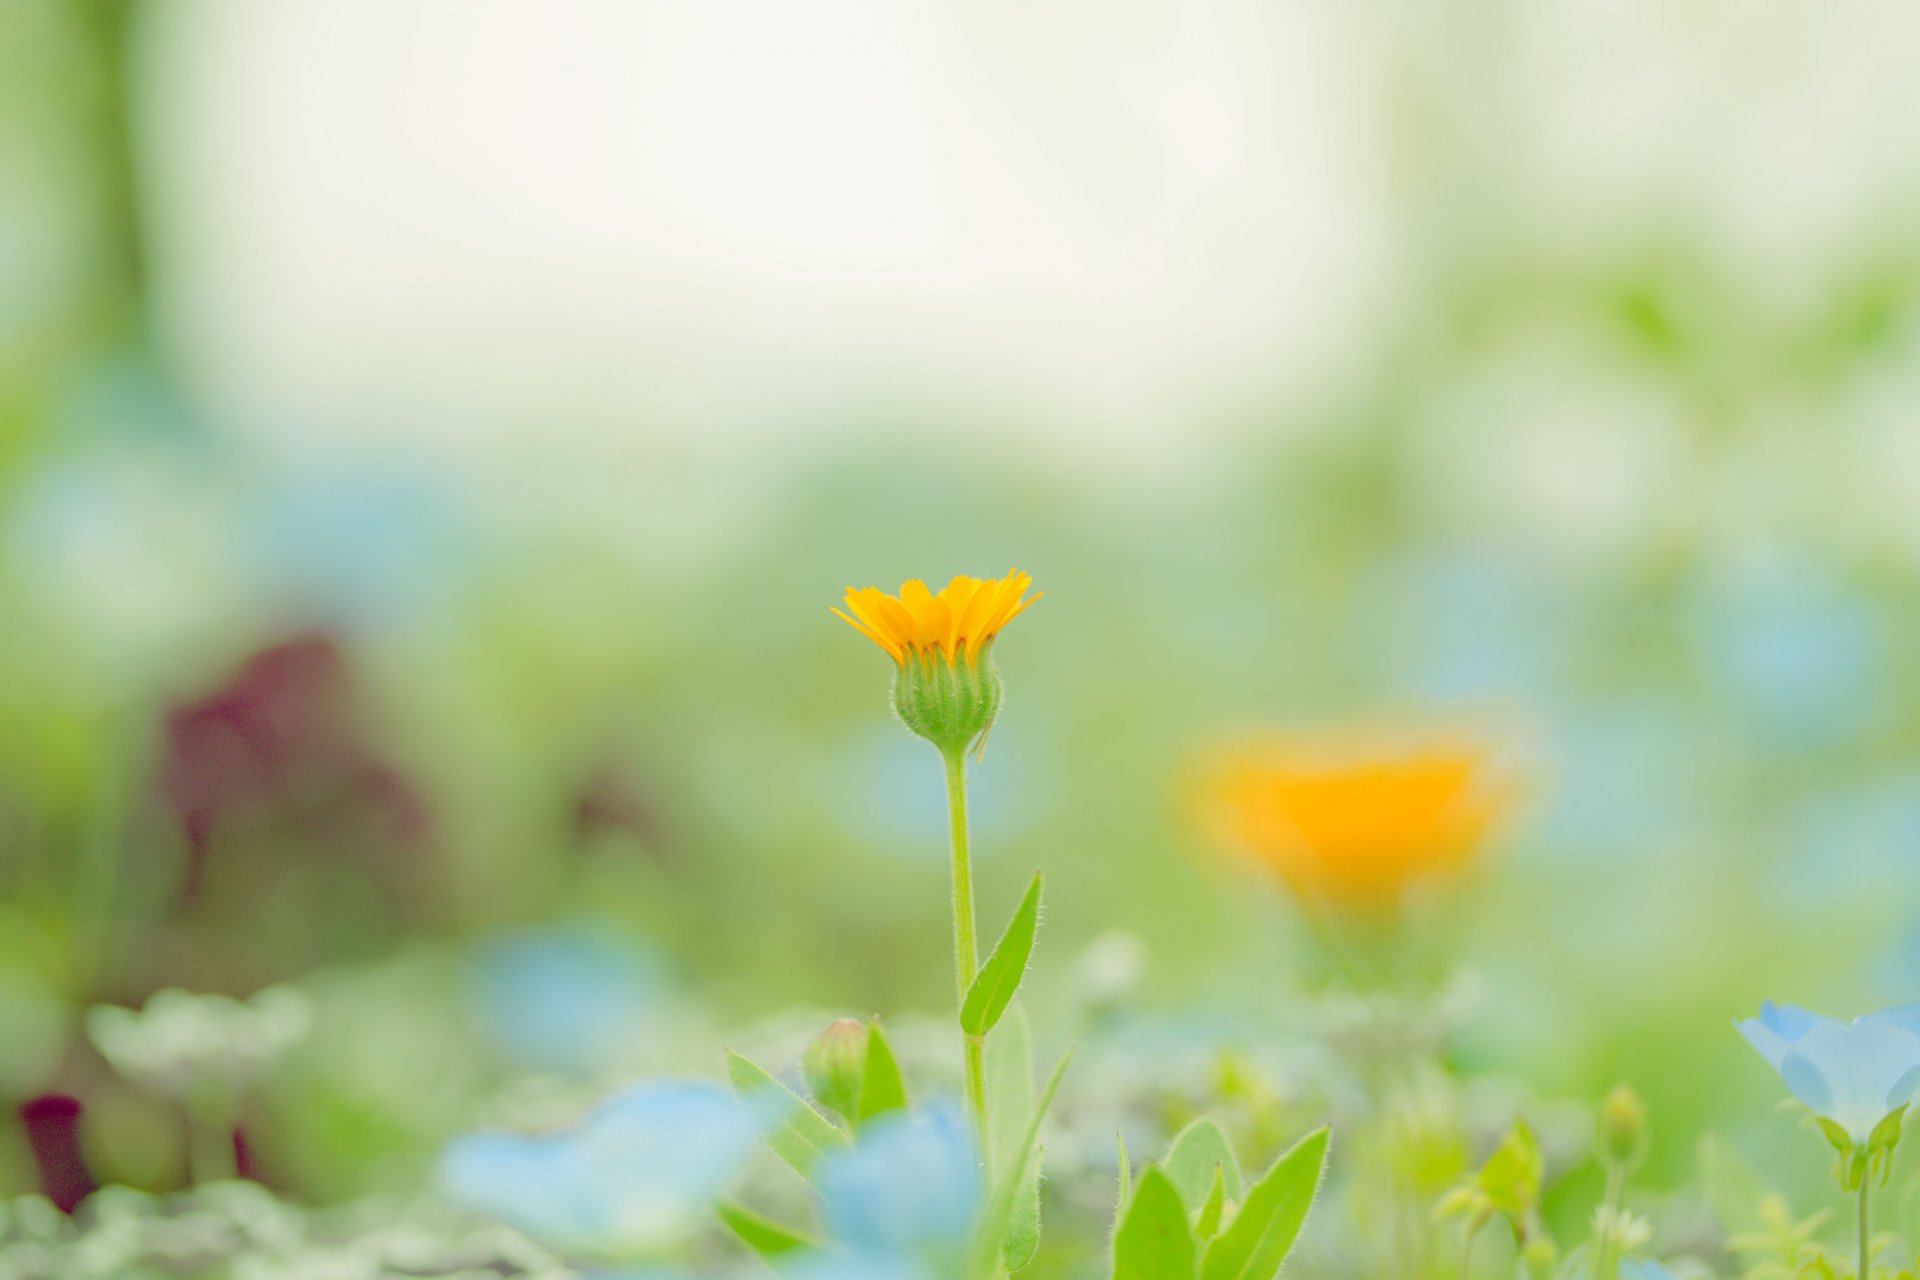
(1353, 826)
(946, 687)
(958, 623)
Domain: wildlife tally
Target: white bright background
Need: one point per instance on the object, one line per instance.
(497, 227)
(604, 250)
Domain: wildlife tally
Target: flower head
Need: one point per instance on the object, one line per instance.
(909, 1189)
(565, 1000)
(1352, 826)
(946, 687)
(1852, 1074)
(637, 1174)
(956, 625)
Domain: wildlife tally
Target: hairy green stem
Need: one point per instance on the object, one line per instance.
(1866, 1251)
(966, 947)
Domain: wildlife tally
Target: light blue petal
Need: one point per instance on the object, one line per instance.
(563, 1000)
(1777, 1028)
(1849, 1072)
(1906, 1017)
(909, 1188)
(1644, 1269)
(637, 1173)
(842, 1266)
(524, 1182)
(1790, 1021)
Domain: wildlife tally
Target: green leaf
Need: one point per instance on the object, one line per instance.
(1207, 1224)
(1263, 1231)
(1197, 1151)
(797, 1133)
(1009, 1108)
(1886, 1134)
(1126, 1180)
(762, 1234)
(882, 1088)
(1154, 1241)
(1023, 1227)
(995, 1221)
(993, 987)
(1512, 1175)
(1009, 1083)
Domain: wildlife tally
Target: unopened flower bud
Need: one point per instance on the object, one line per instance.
(835, 1065)
(1540, 1256)
(1623, 1127)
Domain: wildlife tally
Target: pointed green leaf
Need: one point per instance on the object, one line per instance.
(1197, 1151)
(1207, 1224)
(1512, 1175)
(1000, 976)
(1009, 1083)
(1269, 1220)
(1125, 1188)
(1009, 1108)
(797, 1133)
(762, 1234)
(1013, 1176)
(1023, 1229)
(882, 1088)
(1154, 1241)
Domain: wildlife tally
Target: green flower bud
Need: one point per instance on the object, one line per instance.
(949, 702)
(835, 1065)
(1622, 1135)
(1540, 1256)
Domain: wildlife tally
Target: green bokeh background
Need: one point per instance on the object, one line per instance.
(1620, 491)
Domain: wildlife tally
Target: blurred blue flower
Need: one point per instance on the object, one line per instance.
(563, 1000)
(1624, 779)
(1849, 845)
(1644, 1269)
(354, 546)
(1799, 653)
(1466, 623)
(909, 1189)
(834, 1265)
(636, 1175)
(1853, 1073)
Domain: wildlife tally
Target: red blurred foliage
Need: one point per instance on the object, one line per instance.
(302, 843)
(279, 740)
(52, 1123)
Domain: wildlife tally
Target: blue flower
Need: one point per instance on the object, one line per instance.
(1853, 1073)
(831, 1265)
(564, 1000)
(908, 1189)
(1800, 654)
(637, 1175)
(1644, 1269)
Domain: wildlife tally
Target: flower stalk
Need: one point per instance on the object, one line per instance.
(1866, 1248)
(966, 945)
(946, 690)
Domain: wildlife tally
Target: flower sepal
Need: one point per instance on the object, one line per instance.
(951, 704)
(1855, 1162)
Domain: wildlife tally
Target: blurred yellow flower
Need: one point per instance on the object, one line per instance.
(959, 622)
(1353, 825)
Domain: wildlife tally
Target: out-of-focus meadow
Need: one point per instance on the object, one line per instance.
(432, 435)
